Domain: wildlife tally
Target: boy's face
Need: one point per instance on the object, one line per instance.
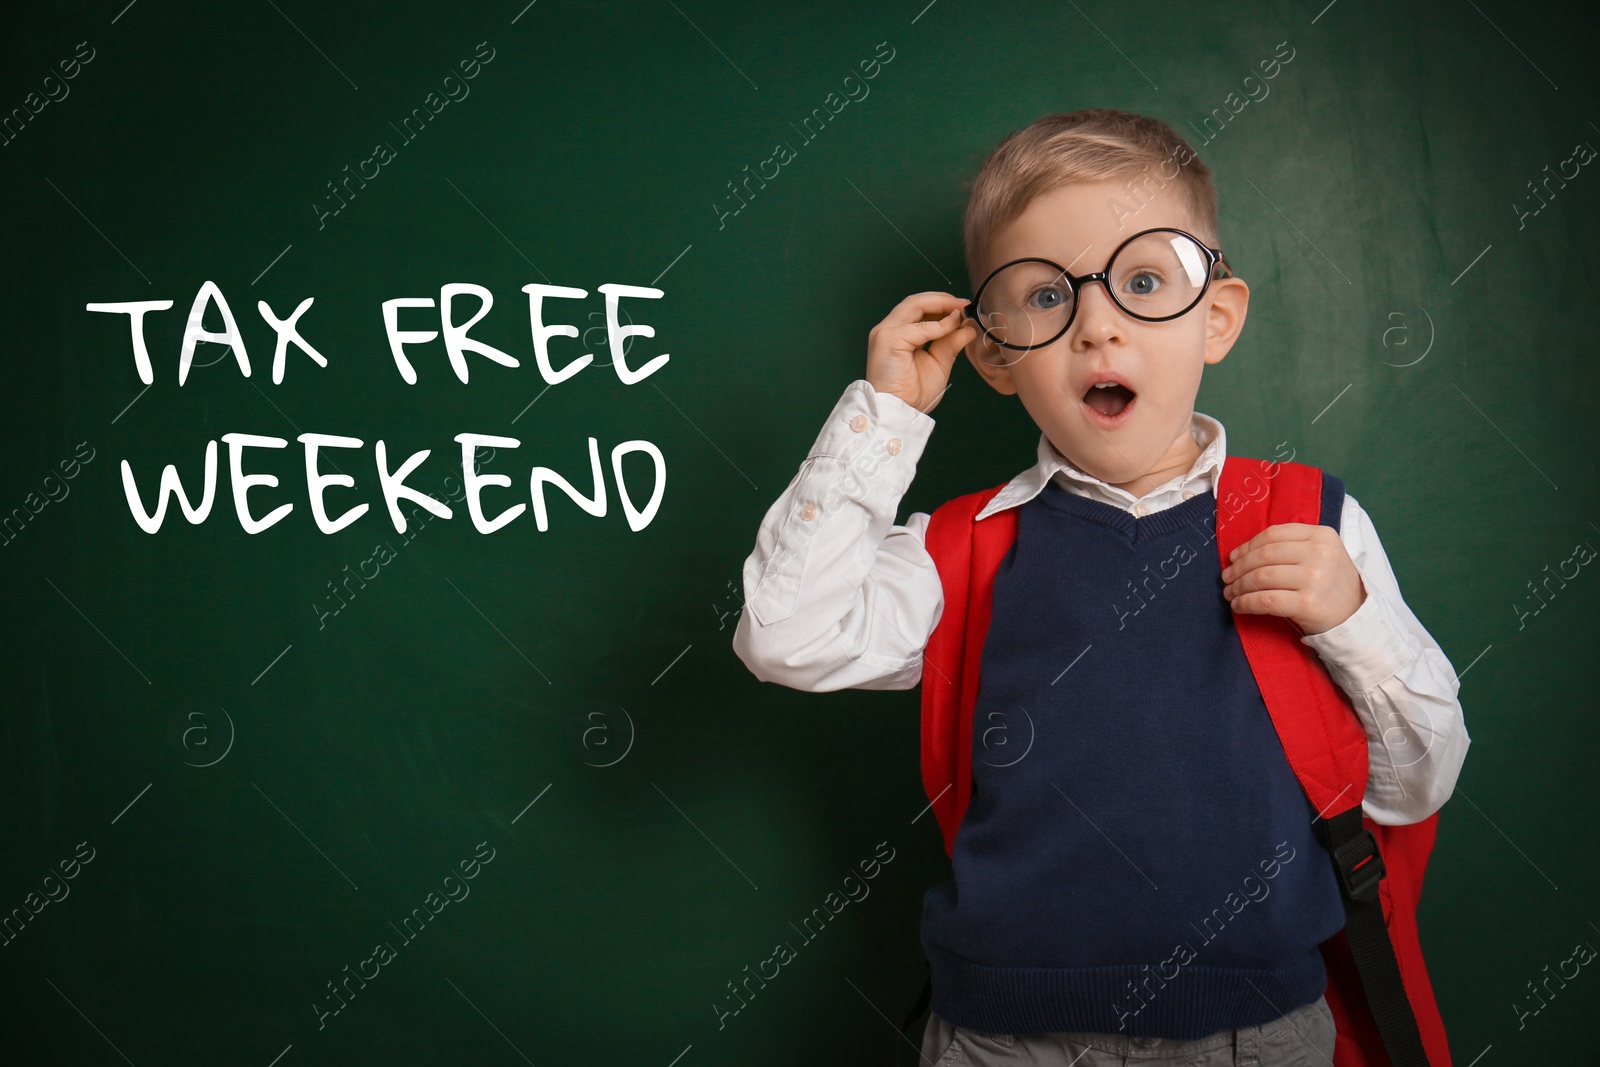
(1149, 443)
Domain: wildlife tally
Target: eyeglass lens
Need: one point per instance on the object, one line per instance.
(1157, 275)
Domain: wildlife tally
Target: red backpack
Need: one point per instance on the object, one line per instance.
(1378, 987)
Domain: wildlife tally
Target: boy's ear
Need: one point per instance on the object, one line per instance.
(993, 363)
(1228, 305)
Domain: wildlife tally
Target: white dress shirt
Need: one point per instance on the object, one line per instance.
(837, 596)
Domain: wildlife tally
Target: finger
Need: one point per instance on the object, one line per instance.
(1276, 590)
(1277, 602)
(946, 348)
(1266, 555)
(918, 306)
(920, 333)
(1285, 576)
(947, 323)
(1282, 531)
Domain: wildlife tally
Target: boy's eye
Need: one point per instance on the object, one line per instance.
(1048, 298)
(1143, 282)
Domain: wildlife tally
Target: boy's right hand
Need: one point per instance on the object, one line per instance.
(896, 361)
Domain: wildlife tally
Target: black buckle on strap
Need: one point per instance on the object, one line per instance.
(1360, 866)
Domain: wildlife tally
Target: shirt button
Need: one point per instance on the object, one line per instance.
(808, 512)
(1141, 510)
(1187, 493)
(858, 423)
(892, 446)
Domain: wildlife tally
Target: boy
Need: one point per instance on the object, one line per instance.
(1145, 782)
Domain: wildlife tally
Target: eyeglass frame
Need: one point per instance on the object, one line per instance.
(1214, 257)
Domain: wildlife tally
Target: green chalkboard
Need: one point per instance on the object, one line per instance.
(281, 795)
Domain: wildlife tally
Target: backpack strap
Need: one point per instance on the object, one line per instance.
(968, 554)
(1321, 735)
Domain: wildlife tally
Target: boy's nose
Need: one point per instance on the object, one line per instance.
(1096, 310)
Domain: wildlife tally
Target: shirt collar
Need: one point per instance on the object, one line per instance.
(1207, 432)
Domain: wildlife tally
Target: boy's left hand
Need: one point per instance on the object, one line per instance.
(1300, 571)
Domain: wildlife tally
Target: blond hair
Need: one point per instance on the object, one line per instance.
(1096, 144)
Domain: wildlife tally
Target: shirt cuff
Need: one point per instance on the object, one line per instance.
(1368, 648)
(864, 417)
(859, 467)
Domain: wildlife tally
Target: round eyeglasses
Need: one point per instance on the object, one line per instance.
(1154, 275)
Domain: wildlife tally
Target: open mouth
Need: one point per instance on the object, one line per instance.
(1110, 401)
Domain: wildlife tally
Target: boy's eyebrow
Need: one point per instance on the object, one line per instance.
(1080, 255)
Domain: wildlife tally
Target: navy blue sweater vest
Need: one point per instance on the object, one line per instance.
(1137, 856)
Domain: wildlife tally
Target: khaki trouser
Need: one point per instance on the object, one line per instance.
(1303, 1038)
